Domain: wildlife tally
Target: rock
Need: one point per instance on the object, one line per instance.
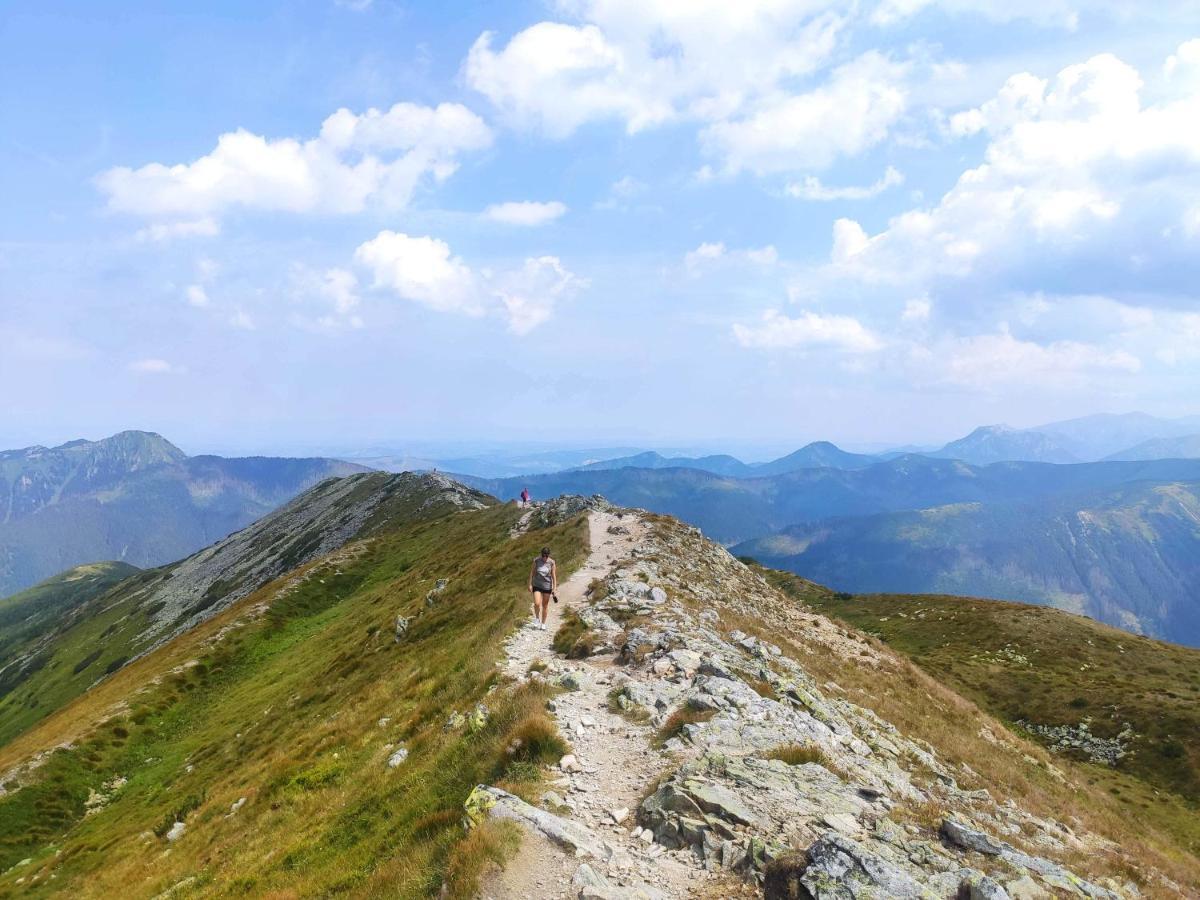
(720, 801)
(176, 832)
(384, 721)
(841, 869)
(646, 837)
(980, 887)
(570, 764)
(843, 823)
(618, 815)
(402, 623)
(397, 758)
(236, 805)
(970, 839)
(657, 596)
(492, 802)
(1025, 888)
(455, 721)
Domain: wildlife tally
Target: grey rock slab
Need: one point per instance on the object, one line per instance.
(970, 839)
(720, 801)
(564, 832)
(842, 869)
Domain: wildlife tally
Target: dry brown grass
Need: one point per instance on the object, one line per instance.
(487, 844)
(674, 725)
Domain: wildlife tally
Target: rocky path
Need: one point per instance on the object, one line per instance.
(612, 764)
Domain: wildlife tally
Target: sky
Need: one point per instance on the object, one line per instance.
(278, 226)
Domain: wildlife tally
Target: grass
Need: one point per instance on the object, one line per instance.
(1045, 666)
(1151, 831)
(284, 710)
(629, 710)
(573, 639)
(675, 723)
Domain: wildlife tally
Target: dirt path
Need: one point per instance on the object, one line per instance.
(616, 759)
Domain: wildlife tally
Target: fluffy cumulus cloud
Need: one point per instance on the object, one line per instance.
(808, 330)
(425, 271)
(1080, 176)
(525, 212)
(1057, 261)
(785, 132)
(374, 158)
(755, 76)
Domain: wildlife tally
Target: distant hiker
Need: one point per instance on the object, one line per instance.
(543, 584)
(524, 496)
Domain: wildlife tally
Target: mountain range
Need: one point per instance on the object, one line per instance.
(133, 497)
(341, 700)
(1117, 540)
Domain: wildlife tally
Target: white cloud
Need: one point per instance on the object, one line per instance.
(167, 231)
(809, 329)
(525, 213)
(196, 295)
(813, 189)
(853, 112)
(987, 360)
(374, 158)
(530, 294)
(355, 5)
(242, 320)
(153, 366)
(1079, 176)
(329, 298)
(708, 253)
(738, 70)
(917, 310)
(423, 269)
(849, 240)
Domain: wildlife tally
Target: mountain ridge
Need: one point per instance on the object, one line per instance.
(134, 497)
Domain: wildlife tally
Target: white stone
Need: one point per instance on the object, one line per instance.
(176, 832)
(398, 757)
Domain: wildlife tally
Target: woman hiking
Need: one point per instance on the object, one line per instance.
(543, 584)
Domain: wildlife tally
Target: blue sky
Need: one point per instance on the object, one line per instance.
(282, 226)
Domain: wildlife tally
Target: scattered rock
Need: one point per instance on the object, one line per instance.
(487, 801)
(970, 839)
(397, 757)
(176, 832)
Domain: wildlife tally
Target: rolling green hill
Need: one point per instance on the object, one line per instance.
(96, 638)
(1045, 668)
(1129, 556)
(267, 729)
(134, 497)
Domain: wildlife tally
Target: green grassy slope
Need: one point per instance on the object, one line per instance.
(27, 615)
(94, 639)
(297, 709)
(1045, 667)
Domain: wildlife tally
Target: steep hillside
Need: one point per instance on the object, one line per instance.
(33, 611)
(333, 731)
(133, 497)
(1082, 688)
(1187, 447)
(1129, 557)
(267, 731)
(999, 443)
(98, 637)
